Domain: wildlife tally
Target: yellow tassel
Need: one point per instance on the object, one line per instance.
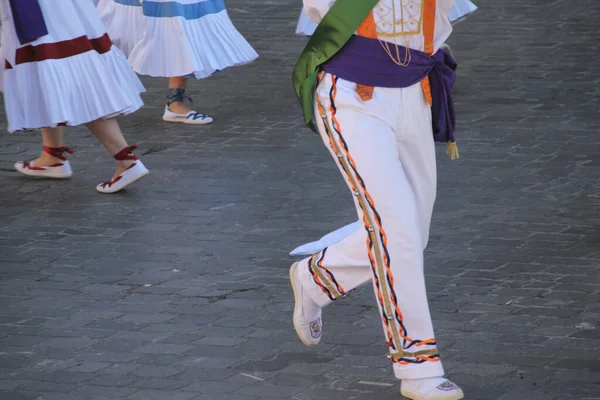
(452, 150)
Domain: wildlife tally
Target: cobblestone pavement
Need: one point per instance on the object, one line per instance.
(177, 289)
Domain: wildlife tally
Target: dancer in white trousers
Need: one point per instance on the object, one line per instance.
(61, 69)
(176, 39)
(460, 10)
(387, 157)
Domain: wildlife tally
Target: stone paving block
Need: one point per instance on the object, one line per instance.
(53, 365)
(19, 395)
(213, 387)
(89, 367)
(389, 395)
(49, 387)
(164, 348)
(161, 395)
(66, 377)
(6, 385)
(150, 371)
(206, 374)
(578, 364)
(227, 396)
(138, 336)
(270, 391)
(69, 342)
(201, 362)
(181, 339)
(113, 380)
(529, 394)
(109, 357)
(121, 369)
(60, 396)
(219, 341)
(297, 380)
(161, 384)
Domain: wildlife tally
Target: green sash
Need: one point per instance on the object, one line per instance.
(336, 28)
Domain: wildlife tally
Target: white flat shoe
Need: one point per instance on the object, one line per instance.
(60, 170)
(307, 314)
(135, 172)
(192, 118)
(431, 389)
(57, 171)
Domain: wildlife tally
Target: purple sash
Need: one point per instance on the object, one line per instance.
(28, 19)
(363, 61)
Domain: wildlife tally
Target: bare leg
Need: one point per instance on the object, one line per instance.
(51, 137)
(178, 83)
(109, 134)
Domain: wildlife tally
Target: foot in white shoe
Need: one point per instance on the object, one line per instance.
(176, 97)
(60, 170)
(53, 164)
(438, 388)
(307, 313)
(192, 118)
(135, 172)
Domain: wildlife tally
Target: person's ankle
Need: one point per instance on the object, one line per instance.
(178, 107)
(45, 160)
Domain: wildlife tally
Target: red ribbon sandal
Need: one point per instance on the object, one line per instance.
(136, 171)
(60, 170)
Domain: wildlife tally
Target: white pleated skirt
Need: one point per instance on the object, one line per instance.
(100, 4)
(124, 22)
(165, 38)
(78, 77)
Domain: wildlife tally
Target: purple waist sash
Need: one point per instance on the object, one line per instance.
(364, 61)
(28, 19)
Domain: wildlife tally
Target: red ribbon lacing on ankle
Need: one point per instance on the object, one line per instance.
(58, 152)
(126, 153)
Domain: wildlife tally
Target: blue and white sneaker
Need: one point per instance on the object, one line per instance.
(192, 118)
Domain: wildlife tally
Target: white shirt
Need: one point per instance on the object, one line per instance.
(398, 21)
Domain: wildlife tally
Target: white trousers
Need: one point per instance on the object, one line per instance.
(384, 148)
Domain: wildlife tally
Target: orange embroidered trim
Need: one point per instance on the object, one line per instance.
(364, 92)
(367, 29)
(429, 25)
(428, 33)
(427, 90)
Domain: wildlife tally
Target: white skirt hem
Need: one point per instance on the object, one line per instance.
(71, 91)
(174, 47)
